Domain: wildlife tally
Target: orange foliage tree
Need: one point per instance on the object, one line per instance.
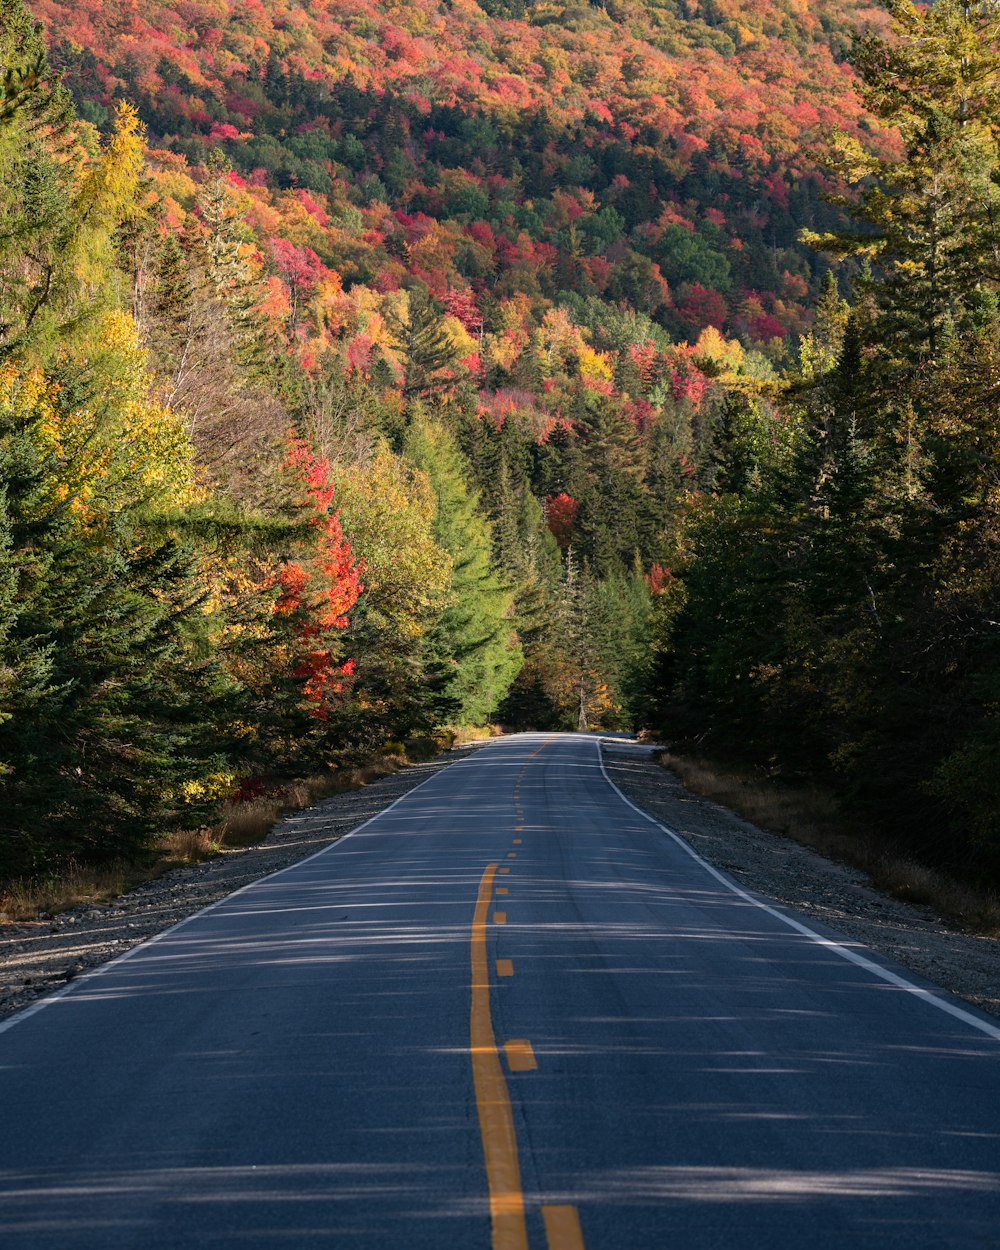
(318, 590)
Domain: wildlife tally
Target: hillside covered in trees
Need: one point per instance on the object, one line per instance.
(371, 369)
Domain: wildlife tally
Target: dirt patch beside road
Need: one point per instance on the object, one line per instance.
(840, 896)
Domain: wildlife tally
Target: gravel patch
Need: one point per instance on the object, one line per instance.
(43, 955)
(840, 896)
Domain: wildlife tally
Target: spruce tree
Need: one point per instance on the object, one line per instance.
(422, 341)
(930, 218)
(474, 640)
(107, 710)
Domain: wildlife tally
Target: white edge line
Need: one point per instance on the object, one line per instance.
(845, 952)
(72, 986)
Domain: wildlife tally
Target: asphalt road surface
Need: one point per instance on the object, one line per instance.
(511, 1012)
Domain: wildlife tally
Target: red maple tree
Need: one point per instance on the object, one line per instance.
(318, 591)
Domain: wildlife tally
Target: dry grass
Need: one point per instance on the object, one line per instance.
(814, 817)
(244, 824)
(188, 846)
(29, 899)
(460, 734)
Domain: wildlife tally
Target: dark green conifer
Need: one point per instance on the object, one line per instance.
(475, 636)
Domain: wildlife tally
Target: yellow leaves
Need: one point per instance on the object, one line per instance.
(216, 786)
(594, 365)
(506, 347)
(387, 511)
(838, 245)
(725, 354)
(851, 159)
(109, 194)
(459, 337)
(558, 339)
(121, 445)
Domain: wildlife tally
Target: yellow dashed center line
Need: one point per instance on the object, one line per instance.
(502, 889)
(499, 917)
(505, 968)
(562, 1228)
(520, 1056)
(496, 1119)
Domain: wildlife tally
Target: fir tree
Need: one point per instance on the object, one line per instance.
(422, 341)
(475, 635)
(929, 220)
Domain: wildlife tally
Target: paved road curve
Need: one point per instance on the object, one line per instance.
(511, 1012)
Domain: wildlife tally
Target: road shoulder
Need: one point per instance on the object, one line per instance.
(793, 875)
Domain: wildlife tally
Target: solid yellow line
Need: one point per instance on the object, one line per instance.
(520, 1056)
(505, 967)
(562, 1228)
(499, 917)
(496, 1119)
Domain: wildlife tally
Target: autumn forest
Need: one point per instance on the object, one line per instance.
(371, 371)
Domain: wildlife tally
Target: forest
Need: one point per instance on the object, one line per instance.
(372, 371)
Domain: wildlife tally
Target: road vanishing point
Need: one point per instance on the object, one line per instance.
(512, 1012)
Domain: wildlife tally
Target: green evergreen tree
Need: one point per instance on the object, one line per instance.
(930, 218)
(474, 640)
(107, 709)
(819, 349)
(422, 341)
(614, 506)
(34, 185)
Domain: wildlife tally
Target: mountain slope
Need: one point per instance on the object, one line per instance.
(583, 136)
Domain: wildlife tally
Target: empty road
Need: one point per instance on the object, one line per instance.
(510, 1013)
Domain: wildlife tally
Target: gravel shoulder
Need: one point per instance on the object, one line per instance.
(840, 896)
(41, 956)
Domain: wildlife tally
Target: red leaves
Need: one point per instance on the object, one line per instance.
(765, 328)
(461, 305)
(318, 590)
(359, 354)
(560, 514)
(300, 267)
(658, 578)
(688, 383)
(699, 306)
(646, 360)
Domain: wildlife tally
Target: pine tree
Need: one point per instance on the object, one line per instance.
(108, 713)
(574, 673)
(819, 349)
(474, 639)
(614, 504)
(34, 185)
(423, 343)
(930, 219)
